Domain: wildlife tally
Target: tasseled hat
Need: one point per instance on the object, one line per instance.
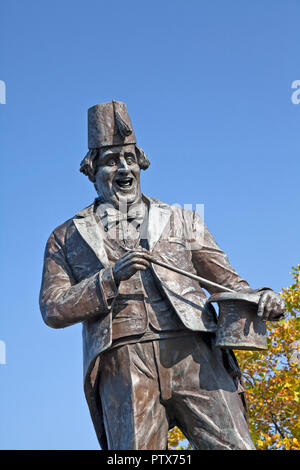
(109, 124)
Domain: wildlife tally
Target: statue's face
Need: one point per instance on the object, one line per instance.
(118, 176)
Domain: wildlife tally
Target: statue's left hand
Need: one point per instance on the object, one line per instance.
(271, 306)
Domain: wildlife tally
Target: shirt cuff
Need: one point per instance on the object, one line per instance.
(107, 285)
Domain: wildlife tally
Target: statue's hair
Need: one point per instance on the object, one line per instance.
(89, 164)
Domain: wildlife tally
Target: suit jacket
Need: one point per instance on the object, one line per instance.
(78, 284)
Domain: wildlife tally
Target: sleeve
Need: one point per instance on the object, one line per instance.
(64, 302)
(210, 261)
(213, 264)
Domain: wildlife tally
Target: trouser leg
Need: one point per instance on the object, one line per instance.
(144, 385)
(134, 418)
(204, 400)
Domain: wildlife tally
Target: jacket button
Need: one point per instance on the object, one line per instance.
(105, 331)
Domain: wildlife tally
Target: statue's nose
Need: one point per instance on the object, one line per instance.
(123, 166)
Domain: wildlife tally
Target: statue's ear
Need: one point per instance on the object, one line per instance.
(142, 158)
(88, 164)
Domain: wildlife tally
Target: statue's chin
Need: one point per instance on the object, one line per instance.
(119, 199)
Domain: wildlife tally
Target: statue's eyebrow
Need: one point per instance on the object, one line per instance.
(107, 155)
(129, 154)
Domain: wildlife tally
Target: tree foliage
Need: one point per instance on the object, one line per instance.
(271, 380)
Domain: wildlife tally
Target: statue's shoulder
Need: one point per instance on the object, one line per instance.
(63, 229)
(164, 205)
(181, 214)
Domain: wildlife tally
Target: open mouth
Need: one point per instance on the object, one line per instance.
(124, 183)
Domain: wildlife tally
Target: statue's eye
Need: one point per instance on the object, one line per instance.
(130, 159)
(111, 162)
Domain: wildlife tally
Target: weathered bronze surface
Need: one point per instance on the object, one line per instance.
(239, 326)
(150, 355)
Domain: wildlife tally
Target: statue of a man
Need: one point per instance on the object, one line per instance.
(150, 360)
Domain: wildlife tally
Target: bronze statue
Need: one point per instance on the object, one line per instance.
(130, 268)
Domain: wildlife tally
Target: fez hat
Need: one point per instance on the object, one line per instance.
(109, 124)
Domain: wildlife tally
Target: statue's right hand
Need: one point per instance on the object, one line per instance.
(130, 263)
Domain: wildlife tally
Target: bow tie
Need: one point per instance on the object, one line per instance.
(112, 217)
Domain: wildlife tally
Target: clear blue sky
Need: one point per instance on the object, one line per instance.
(208, 88)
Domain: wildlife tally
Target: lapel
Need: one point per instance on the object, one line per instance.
(159, 216)
(92, 232)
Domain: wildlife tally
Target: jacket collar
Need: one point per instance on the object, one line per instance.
(92, 232)
(159, 216)
(91, 229)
